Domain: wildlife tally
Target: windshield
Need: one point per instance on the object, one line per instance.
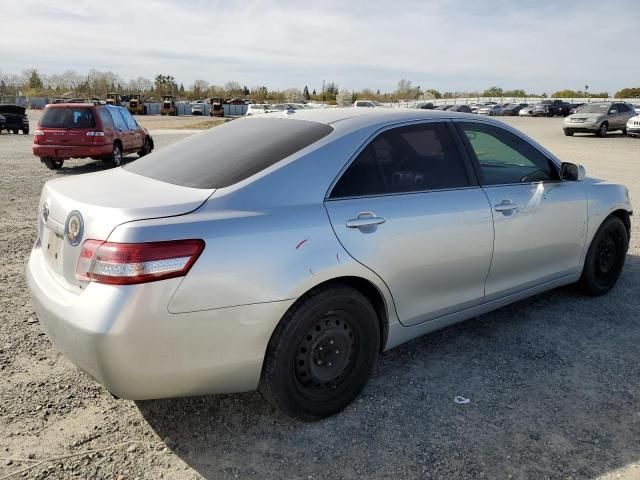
(230, 153)
(67, 117)
(595, 108)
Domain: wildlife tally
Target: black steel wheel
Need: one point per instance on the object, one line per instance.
(605, 258)
(321, 354)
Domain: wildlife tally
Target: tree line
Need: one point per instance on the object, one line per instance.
(96, 84)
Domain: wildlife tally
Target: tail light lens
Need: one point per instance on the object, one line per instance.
(36, 136)
(130, 263)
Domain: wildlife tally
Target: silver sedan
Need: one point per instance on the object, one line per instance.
(284, 252)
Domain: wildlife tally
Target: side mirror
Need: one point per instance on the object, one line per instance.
(572, 172)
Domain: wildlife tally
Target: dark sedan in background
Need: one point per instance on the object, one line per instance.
(513, 109)
(15, 119)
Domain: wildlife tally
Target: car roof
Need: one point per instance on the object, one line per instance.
(351, 117)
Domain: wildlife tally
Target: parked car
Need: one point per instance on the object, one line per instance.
(633, 126)
(15, 117)
(258, 109)
(491, 110)
(574, 107)
(3, 123)
(443, 107)
(82, 130)
(425, 106)
(197, 108)
(367, 104)
(288, 264)
(637, 109)
(526, 111)
(551, 108)
(460, 109)
(599, 118)
(513, 109)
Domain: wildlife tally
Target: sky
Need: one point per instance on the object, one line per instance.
(450, 45)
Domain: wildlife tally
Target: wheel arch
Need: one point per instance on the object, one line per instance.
(625, 216)
(366, 288)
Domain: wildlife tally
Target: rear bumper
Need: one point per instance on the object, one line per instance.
(63, 152)
(126, 339)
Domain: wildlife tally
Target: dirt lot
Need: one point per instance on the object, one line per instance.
(553, 380)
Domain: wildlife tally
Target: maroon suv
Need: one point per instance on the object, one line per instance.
(82, 130)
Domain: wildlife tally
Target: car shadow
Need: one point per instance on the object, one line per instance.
(73, 167)
(552, 389)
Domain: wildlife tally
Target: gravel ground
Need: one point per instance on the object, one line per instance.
(552, 381)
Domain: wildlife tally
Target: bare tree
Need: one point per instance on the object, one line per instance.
(343, 98)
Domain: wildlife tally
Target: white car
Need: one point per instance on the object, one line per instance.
(526, 111)
(633, 124)
(491, 110)
(258, 109)
(367, 104)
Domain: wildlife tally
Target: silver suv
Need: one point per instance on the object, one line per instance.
(599, 118)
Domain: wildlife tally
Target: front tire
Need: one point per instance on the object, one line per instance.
(605, 258)
(603, 130)
(568, 133)
(146, 148)
(116, 155)
(321, 353)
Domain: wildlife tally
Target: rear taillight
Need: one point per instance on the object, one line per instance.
(129, 263)
(36, 136)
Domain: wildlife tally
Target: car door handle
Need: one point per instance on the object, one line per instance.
(506, 206)
(365, 219)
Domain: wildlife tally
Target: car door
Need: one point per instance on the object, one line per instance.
(540, 222)
(136, 137)
(122, 131)
(409, 208)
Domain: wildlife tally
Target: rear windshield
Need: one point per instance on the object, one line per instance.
(67, 117)
(230, 153)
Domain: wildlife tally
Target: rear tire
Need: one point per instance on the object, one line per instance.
(25, 131)
(116, 155)
(624, 132)
(603, 130)
(321, 353)
(53, 164)
(605, 258)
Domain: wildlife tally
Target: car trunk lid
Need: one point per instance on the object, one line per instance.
(102, 201)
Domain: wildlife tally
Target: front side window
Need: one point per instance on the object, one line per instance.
(505, 158)
(402, 160)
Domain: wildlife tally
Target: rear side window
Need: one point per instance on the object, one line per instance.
(403, 160)
(131, 123)
(106, 119)
(230, 153)
(118, 121)
(68, 117)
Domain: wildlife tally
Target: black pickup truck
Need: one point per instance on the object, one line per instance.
(15, 118)
(552, 108)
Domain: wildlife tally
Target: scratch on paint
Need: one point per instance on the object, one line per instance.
(338, 257)
(311, 272)
(301, 243)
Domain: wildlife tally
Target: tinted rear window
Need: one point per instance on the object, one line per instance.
(67, 117)
(230, 153)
